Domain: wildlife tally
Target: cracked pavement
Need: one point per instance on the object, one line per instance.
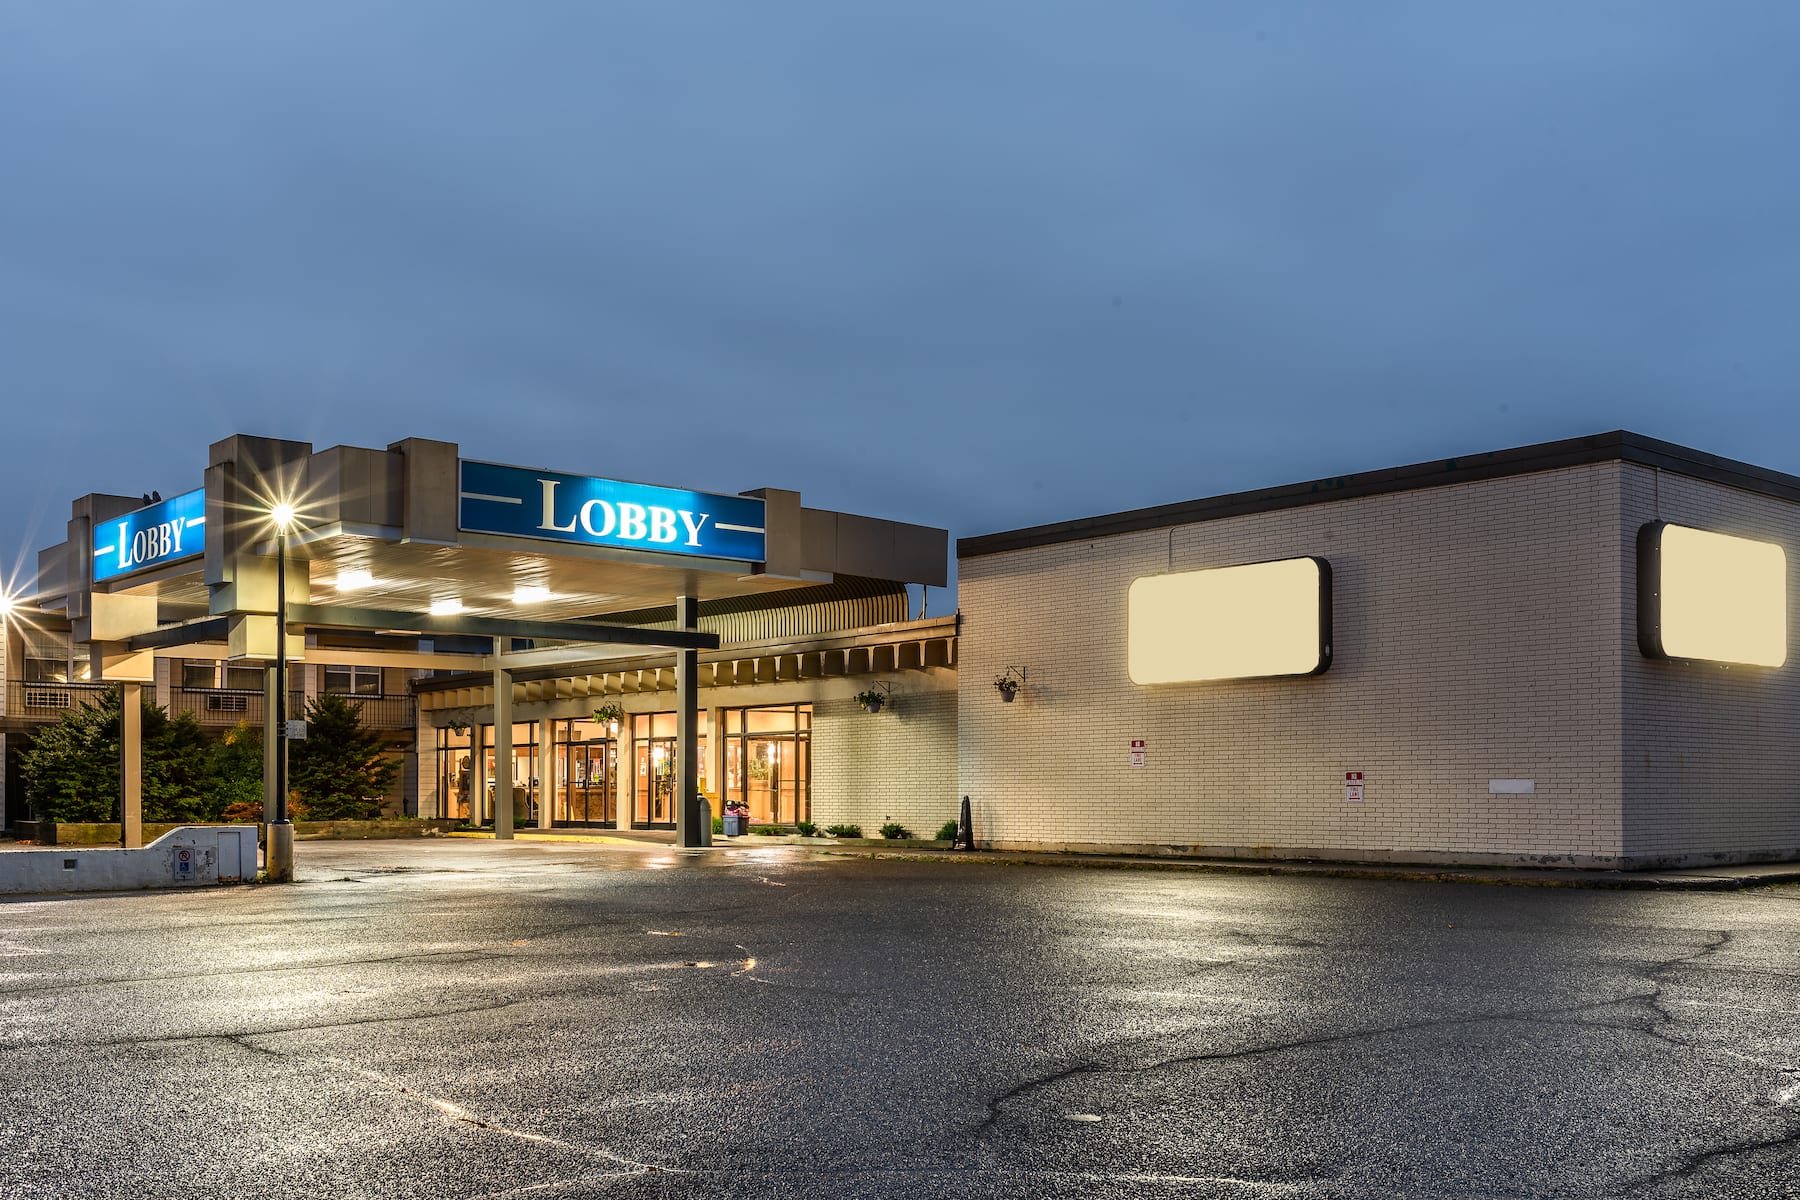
(478, 1019)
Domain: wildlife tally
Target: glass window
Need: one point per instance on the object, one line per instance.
(768, 762)
(353, 681)
(246, 678)
(199, 675)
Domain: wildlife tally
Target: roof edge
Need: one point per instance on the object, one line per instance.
(1617, 446)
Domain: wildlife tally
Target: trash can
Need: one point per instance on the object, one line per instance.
(734, 824)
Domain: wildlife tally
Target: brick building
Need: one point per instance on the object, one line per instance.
(1486, 671)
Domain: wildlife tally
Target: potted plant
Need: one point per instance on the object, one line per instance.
(871, 700)
(737, 816)
(1008, 687)
(610, 715)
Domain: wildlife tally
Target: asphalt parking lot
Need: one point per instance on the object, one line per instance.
(478, 1019)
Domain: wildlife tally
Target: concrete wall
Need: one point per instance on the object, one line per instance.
(1712, 752)
(218, 854)
(1477, 637)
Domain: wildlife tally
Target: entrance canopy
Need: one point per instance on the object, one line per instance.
(418, 551)
(415, 556)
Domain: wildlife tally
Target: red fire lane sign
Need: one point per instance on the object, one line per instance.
(1353, 787)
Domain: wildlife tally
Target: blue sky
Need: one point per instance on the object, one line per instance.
(975, 265)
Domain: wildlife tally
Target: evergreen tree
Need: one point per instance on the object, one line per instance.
(71, 769)
(340, 770)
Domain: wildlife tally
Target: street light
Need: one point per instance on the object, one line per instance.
(281, 830)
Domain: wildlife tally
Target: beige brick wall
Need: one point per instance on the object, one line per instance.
(1476, 637)
(898, 764)
(1712, 753)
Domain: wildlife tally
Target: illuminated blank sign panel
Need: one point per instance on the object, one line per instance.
(1248, 622)
(1711, 596)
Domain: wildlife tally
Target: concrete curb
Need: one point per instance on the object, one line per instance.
(1714, 879)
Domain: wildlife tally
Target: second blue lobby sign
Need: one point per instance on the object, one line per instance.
(517, 502)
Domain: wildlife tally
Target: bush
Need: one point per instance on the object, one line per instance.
(769, 831)
(948, 830)
(807, 828)
(243, 812)
(851, 831)
(718, 824)
(894, 829)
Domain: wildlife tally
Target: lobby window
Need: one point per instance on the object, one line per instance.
(768, 762)
(353, 681)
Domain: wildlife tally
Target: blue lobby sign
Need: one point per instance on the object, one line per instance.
(517, 502)
(167, 531)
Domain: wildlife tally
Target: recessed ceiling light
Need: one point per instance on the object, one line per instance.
(530, 593)
(354, 580)
(446, 608)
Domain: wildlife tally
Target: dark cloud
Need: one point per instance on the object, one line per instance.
(977, 265)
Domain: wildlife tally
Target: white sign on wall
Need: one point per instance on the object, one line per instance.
(1139, 752)
(1353, 787)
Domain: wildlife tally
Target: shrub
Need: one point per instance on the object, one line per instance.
(948, 830)
(850, 831)
(894, 829)
(807, 828)
(71, 769)
(718, 824)
(243, 812)
(769, 831)
(340, 769)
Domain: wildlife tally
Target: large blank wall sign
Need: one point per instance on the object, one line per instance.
(1711, 596)
(1245, 622)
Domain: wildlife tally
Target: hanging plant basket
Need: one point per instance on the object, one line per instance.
(1007, 695)
(871, 700)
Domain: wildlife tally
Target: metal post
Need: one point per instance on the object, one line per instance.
(687, 730)
(279, 855)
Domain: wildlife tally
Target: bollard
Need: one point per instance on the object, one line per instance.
(965, 829)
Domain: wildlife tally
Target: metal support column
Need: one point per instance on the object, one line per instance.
(687, 730)
(131, 766)
(503, 747)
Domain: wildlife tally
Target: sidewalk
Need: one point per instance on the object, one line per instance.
(1703, 879)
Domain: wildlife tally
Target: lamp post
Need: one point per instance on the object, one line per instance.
(281, 830)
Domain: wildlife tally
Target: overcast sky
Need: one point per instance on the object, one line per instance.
(979, 265)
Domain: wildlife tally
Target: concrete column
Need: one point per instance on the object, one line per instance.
(5, 817)
(131, 765)
(546, 770)
(503, 748)
(625, 802)
(715, 755)
(687, 730)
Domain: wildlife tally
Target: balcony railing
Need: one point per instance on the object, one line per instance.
(47, 701)
(229, 706)
(212, 707)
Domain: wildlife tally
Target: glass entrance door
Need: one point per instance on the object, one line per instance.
(589, 773)
(655, 783)
(654, 742)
